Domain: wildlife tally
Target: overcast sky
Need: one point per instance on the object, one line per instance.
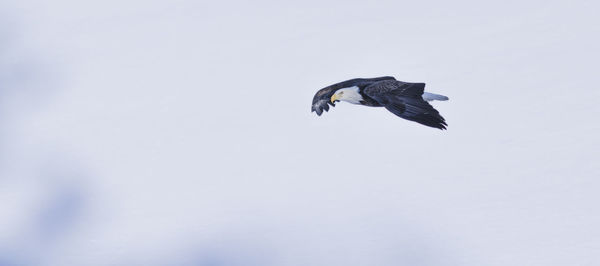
(180, 133)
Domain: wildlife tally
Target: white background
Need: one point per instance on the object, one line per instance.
(180, 133)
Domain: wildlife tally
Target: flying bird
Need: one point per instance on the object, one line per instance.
(404, 99)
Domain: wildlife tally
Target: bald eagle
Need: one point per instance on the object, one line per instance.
(404, 99)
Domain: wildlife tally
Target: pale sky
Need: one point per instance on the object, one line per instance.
(180, 133)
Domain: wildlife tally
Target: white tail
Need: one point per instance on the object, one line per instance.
(433, 97)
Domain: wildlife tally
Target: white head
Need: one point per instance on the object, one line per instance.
(350, 95)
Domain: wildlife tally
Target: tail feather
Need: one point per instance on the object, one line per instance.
(428, 96)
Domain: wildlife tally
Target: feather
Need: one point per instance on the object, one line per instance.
(428, 96)
(405, 100)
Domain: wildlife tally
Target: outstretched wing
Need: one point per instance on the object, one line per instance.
(405, 100)
(321, 100)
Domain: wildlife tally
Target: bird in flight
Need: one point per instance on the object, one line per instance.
(404, 99)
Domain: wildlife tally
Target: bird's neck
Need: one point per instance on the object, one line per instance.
(352, 95)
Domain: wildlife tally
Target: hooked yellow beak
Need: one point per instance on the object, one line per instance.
(334, 98)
